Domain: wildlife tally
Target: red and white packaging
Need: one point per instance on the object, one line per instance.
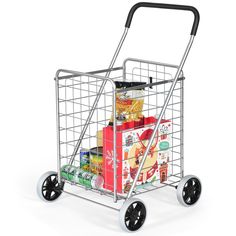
(130, 147)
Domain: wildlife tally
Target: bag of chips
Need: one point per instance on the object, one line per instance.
(129, 104)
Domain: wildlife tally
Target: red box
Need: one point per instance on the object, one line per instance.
(130, 147)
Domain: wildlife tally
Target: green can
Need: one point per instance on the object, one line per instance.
(68, 172)
(82, 177)
(88, 179)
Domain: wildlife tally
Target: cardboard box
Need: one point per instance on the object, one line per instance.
(131, 145)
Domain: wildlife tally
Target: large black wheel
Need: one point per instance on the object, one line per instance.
(48, 188)
(132, 215)
(189, 190)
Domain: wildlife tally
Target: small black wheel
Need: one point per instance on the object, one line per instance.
(48, 188)
(132, 215)
(189, 190)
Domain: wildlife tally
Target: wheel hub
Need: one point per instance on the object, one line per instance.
(135, 216)
(191, 191)
(51, 189)
(50, 186)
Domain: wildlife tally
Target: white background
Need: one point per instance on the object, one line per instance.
(38, 37)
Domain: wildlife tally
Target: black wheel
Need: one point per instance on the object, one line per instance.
(132, 215)
(48, 187)
(189, 190)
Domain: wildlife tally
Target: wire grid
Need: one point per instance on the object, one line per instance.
(154, 98)
(76, 97)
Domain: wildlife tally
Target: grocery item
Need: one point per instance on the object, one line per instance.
(79, 176)
(131, 146)
(68, 172)
(88, 179)
(129, 104)
(96, 160)
(84, 159)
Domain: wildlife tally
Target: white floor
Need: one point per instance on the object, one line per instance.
(72, 216)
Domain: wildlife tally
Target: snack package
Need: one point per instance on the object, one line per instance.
(129, 104)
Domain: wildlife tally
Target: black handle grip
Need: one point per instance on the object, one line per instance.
(165, 6)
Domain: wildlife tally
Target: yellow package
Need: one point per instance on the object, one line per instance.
(129, 105)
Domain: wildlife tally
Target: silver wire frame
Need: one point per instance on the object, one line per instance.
(76, 93)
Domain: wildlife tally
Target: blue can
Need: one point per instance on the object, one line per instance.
(84, 159)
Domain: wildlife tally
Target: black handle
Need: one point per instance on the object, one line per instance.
(165, 6)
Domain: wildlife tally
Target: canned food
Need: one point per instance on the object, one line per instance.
(68, 172)
(97, 181)
(84, 159)
(96, 160)
(88, 179)
(78, 177)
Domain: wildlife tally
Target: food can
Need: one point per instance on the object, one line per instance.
(96, 160)
(84, 159)
(97, 181)
(68, 172)
(88, 179)
(78, 177)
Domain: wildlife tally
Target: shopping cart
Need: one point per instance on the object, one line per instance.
(120, 132)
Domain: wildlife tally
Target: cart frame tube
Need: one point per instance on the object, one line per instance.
(98, 97)
(105, 79)
(114, 147)
(182, 129)
(127, 26)
(114, 114)
(129, 195)
(58, 131)
(90, 200)
(91, 115)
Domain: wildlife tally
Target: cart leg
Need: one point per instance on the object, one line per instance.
(182, 129)
(98, 96)
(58, 131)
